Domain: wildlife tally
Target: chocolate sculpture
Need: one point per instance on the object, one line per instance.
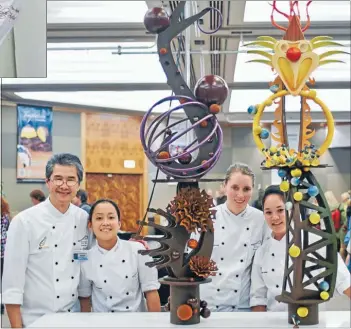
(294, 60)
(190, 211)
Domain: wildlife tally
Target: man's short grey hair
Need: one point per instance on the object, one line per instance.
(242, 168)
(64, 159)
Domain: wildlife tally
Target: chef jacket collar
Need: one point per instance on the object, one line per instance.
(104, 251)
(241, 215)
(54, 210)
(278, 242)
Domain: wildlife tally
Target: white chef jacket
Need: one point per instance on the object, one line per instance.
(236, 238)
(268, 273)
(117, 278)
(40, 273)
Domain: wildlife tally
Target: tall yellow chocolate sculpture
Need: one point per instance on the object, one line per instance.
(307, 263)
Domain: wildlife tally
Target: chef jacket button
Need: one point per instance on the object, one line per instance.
(241, 260)
(72, 277)
(272, 269)
(57, 296)
(220, 273)
(110, 297)
(74, 243)
(123, 261)
(277, 285)
(72, 260)
(223, 227)
(56, 263)
(127, 307)
(217, 306)
(247, 229)
(235, 290)
(273, 254)
(237, 275)
(72, 295)
(112, 311)
(245, 245)
(100, 265)
(127, 293)
(53, 227)
(222, 242)
(222, 258)
(75, 226)
(69, 310)
(105, 281)
(57, 280)
(233, 307)
(126, 276)
(55, 245)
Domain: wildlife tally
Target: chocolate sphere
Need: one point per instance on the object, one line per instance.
(156, 20)
(211, 89)
(203, 304)
(205, 313)
(185, 159)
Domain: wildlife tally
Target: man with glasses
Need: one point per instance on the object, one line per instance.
(45, 246)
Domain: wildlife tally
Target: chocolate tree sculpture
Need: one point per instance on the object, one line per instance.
(294, 60)
(190, 211)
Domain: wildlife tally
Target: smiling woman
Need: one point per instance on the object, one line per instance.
(115, 274)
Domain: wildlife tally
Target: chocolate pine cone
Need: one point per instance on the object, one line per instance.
(191, 208)
(202, 266)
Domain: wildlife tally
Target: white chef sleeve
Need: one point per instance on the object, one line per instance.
(85, 285)
(15, 262)
(148, 276)
(258, 290)
(343, 277)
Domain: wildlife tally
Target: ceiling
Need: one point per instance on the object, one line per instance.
(101, 57)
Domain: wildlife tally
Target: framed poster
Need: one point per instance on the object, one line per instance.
(34, 142)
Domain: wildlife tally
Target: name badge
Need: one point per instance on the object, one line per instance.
(80, 255)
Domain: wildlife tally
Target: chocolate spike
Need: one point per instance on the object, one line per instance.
(294, 31)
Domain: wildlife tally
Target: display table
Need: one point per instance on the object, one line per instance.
(161, 320)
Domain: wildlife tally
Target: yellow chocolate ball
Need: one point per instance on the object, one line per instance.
(314, 218)
(284, 186)
(306, 169)
(324, 295)
(257, 130)
(298, 196)
(268, 164)
(315, 162)
(273, 149)
(296, 172)
(305, 163)
(294, 251)
(302, 312)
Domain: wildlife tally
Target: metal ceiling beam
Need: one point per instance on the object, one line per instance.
(232, 117)
(69, 87)
(122, 32)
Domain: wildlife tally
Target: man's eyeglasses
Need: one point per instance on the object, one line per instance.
(60, 182)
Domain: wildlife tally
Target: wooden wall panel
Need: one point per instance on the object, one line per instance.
(111, 139)
(125, 190)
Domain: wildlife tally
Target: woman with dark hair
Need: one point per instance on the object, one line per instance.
(269, 262)
(114, 274)
(5, 223)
